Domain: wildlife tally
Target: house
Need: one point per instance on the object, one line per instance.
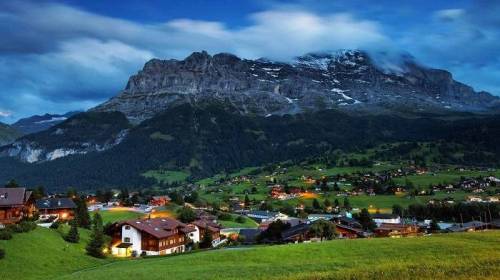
(263, 216)
(62, 208)
(473, 198)
(348, 232)
(157, 236)
(159, 200)
(386, 219)
(396, 230)
(297, 233)
(205, 227)
(15, 203)
(469, 226)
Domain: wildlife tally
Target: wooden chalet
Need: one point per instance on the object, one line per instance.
(15, 204)
(396, 230)
(62, 208)
(158, 236)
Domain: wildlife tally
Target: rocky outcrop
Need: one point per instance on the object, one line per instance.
(7, 134)
(343, 79)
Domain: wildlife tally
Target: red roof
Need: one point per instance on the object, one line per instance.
(211, 226)
(159, 227)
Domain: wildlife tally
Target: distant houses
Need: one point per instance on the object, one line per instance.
(386, 219)
(15, 204)
(263, 216)
(396, 230)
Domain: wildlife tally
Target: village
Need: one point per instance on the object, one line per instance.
(182, 219)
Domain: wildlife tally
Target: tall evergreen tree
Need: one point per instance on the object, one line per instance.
(96, 244)
(82, 213)
(347, 204)
(316, 204)
(73, 236)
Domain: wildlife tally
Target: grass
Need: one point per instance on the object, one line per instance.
(167, 176)
(249, 223)
(450, 256)
(43, 254)
(118, 215)
(443, 177)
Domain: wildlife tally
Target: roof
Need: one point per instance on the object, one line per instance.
(466, 226)
(263, 213)
(298, 229)
(211, 226)
(159, 227)
(124, 245)
(385, 216)
(55, 203)
(13, 196)
(158, 197)
(385, 226)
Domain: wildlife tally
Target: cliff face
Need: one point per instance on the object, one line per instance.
(344, 79)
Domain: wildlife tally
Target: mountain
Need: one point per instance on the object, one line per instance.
(7, 134)
(39, 123)
(209, 139)
(82, 133)
(347, 80)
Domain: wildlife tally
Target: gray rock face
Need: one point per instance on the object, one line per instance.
(344, 79)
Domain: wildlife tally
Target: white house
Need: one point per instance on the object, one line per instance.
(265, 216)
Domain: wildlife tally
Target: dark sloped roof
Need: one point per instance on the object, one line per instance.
(384, 216)
(298, 229)
(13, 196)
(466, 226)
(204, 224)
(55, 203)
(159, 227)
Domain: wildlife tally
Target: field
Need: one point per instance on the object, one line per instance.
(43, 254)
(249, 223)
(451, 256)
(167, 176)
(110, 216)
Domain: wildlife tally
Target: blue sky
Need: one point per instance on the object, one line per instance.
(57, 56)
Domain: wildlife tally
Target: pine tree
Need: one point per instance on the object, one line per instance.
(366, 220)
(247, 201)
(347, 205)
(316, 204)
(73, 236)
(434, 226)
(206, 242)
(96, 244)
(82, 214)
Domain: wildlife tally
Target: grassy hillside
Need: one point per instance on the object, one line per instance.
(457, 256)
(43, 254)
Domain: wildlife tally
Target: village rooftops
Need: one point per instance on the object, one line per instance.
(208, 225)
(13, 196)
(159, 227)
(385, 216)
(55, 203)
(467, 226)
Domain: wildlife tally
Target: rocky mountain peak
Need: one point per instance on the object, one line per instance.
(344, 79)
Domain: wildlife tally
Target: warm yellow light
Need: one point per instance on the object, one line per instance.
(64, 215)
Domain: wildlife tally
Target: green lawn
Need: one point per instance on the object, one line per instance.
(167, 176)
(43, 254)
(117, 215)
(443, 177)
(249, 223)
(451, 256)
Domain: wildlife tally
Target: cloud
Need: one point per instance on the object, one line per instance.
(56, 58)
(5, 114)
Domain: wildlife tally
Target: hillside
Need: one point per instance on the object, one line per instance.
(437, 257)
(457, 256)
(39, 123)
(43, 254)
(7, 134)
(209, 140)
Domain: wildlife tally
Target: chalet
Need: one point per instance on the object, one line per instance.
(298, 233)
(159, 200)
(386, 219)
(62, 208)
(396, 230)
(158, 236)
(205, 227)
(15, 203)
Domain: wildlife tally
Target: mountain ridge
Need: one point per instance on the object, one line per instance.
(346, 80)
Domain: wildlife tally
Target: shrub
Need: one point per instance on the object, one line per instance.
(5, 234)
(55, 225)
(224, 216)
(2, 254)
(240, 220)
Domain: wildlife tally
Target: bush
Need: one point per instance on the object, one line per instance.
(2, 254)
(224, 216)
(55, 225)
(5, 234)
(240, 220)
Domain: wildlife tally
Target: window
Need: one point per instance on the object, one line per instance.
(126, 239)
(127, 227)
